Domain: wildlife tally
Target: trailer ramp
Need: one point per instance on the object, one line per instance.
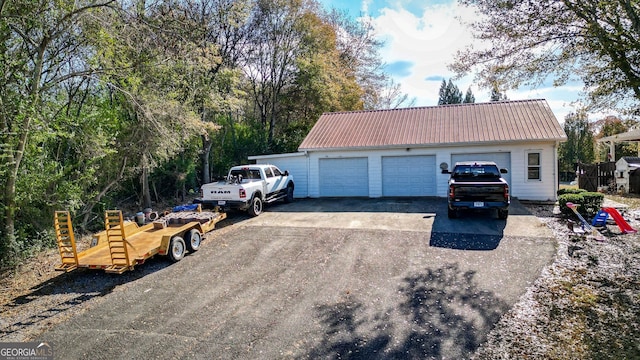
(66, 241)
(114, 224)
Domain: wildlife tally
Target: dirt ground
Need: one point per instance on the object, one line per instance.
(585, 305)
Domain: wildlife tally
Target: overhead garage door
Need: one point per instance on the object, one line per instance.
(409, 175)
(502, 159)
(344, 177)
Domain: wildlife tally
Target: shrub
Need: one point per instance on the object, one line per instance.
(570, 191)
(589, 203)
(592, 202)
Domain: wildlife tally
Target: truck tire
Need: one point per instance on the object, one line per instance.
(289, 197)
(452, 213)
(503, 214)
(177, 248)
(256, 206)
(193, 239)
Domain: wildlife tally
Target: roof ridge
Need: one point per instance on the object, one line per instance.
(432, 106)
(488, 122)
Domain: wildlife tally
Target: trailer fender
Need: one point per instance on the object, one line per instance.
(164, 244)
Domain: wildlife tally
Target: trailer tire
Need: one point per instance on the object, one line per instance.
(193, 239)
(503, 214)
(256, 206)
(177, 248)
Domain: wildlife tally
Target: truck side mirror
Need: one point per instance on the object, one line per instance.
(445, 171)
(286, 173)
(503, 171)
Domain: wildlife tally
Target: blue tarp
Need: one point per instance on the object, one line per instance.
(190, 207)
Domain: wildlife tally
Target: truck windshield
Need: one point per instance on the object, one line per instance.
(247, 173)
(484, 171)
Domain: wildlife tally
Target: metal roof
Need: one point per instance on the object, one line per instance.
(632, 135)
(503, 121)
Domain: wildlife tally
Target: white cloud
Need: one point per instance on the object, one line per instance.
(430, 40)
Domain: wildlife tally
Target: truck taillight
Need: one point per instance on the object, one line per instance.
(506, 192)
(451, 192)
(243, 194)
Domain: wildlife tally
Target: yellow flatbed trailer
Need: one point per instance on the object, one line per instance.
(124, 244)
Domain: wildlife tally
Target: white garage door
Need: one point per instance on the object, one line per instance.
(344, 177)
(409, 175)
(502, 159)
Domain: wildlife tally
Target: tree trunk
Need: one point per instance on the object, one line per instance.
(8, 244)
(146, 192)
(88, 208)
(207, 143)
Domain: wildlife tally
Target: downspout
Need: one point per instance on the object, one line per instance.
(306, 154)
(555, 170)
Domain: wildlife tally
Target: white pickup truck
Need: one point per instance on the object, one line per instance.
(248, 187)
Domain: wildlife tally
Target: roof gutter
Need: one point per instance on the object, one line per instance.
(433, 145)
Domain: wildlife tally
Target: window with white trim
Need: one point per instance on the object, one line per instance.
(533, 166)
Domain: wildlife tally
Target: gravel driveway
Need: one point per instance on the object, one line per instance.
(349, 278)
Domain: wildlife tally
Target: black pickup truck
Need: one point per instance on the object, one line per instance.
(478, 185)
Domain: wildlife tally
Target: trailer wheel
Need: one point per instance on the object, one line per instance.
(193, 239)
(256, 206)
(177, 248)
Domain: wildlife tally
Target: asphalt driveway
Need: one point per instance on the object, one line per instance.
(347, 278)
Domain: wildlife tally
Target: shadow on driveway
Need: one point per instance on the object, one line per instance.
(450, 317)
(65, 291)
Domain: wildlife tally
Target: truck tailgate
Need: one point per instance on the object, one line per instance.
(220, 191)
(479, 192)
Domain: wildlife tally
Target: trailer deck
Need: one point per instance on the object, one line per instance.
(124, 244)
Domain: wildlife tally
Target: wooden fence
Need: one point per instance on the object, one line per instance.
(593, 176)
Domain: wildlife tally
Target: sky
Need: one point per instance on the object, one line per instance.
(420, 39)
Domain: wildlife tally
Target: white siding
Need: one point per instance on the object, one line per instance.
(298, 166)
(543, 189)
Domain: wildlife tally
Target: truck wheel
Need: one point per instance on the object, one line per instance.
(289, 197)
(503, 214)
(452, 214)
(176, 248)
(193, 239)
(256, 206)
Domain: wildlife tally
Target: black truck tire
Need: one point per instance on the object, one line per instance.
(289, 197)
(256, 206)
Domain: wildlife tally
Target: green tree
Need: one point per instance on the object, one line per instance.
(531, 41)
(469, 98)
(612, 125)
(449, 93)
(152, 91)
(580, 143)
(43, 47)
(496, 94)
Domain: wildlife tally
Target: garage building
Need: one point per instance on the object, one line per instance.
(401, 152)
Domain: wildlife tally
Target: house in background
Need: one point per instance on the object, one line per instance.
(402, 152)
(628, 175)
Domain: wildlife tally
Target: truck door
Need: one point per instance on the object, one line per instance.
(270, 181)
